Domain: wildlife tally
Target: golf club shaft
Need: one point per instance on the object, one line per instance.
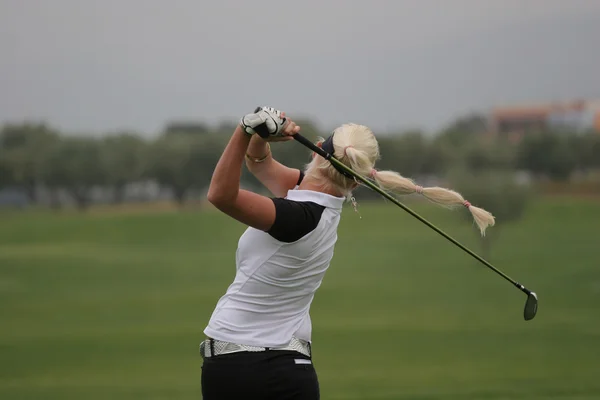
(374, 187)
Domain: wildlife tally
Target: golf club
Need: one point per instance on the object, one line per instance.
(532, 301)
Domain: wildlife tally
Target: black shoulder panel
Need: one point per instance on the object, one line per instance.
(294, 219)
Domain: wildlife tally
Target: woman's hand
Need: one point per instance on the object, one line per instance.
(290, 128)
(270, 124)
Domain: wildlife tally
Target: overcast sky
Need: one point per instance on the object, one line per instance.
(98, 66)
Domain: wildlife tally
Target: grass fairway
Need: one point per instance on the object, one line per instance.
(112, 305)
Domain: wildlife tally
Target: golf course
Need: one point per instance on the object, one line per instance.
(111, 303)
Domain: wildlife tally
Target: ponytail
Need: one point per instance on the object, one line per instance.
(392, 181)
(355, 146)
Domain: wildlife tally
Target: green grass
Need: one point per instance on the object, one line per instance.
(112, 306)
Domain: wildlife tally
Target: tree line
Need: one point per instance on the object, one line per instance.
(182, 158)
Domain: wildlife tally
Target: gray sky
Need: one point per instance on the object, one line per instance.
(98, 66)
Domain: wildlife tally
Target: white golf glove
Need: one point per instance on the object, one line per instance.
(265, 121)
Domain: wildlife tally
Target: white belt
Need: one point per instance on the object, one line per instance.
(212, 347)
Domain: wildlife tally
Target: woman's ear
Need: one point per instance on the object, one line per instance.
(319, 145)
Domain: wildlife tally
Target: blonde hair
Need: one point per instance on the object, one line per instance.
(356, 146)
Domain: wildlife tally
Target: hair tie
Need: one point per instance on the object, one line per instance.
(419, 189)
(466, 204)
(373, 172)
(345, 148)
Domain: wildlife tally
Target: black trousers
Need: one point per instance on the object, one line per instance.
(268, 375)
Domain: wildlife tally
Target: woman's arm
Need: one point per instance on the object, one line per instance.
(273, 175)
(224, 192)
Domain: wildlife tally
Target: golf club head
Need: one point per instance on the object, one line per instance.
(530, 306)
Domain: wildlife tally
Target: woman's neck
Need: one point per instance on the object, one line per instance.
(311, 183)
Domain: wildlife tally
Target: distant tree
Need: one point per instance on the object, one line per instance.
(586, 148)
(225, 127)
(182, 162)
(548, 154)
(483, 154)
(122, 158)
(497, 192)
(310, 130)
(75, 165)
(24, 147)
(407, 153)
(6, 173)
(438, 158)
(462, 130)
(592, 154)
(183, 127)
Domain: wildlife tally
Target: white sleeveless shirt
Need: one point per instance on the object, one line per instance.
(278, 273)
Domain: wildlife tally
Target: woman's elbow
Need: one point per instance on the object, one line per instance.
(217, 199)
(214, 198)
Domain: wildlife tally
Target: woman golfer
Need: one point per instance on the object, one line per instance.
(258, 342)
